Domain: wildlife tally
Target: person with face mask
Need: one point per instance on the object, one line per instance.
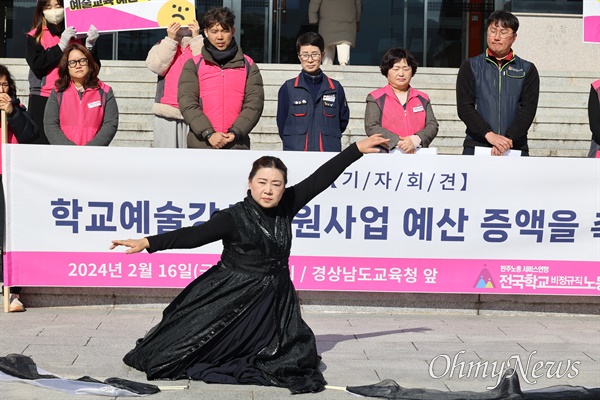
(166, 59)
(46, 42)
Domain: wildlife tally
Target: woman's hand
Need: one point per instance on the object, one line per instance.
(407, 145)
(6, 103)
(369, 144)
(135, 245)
(195, 28)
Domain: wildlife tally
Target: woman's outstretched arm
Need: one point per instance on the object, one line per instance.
(220, 226)
(326, 174)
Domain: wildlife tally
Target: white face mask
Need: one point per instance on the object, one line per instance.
(55, 15)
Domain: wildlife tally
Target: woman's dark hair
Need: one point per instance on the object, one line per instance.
(12, 88)
(268, 162)
(503, 18)
(218, 15)
(39, 22)
(64, 79)
(310, 39)
(395, 54)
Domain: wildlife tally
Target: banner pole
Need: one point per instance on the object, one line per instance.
(6, 289)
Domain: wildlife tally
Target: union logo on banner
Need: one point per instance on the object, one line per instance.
(484, 280)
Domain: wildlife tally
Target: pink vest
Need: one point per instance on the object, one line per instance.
(222, 91)
(10, 136)
(43, 87)
(171, 79)
(395, 118)
(81, 119)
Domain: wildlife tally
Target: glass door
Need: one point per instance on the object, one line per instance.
(268, 28)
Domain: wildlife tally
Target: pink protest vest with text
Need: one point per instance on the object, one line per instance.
(81, 119)
(397, 119)
(222, 92)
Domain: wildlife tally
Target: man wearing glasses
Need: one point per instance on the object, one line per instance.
(312, 112)
(497, 92)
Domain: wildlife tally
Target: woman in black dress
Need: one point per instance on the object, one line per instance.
(240, 321)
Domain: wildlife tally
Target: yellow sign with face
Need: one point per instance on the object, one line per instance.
(181, 11)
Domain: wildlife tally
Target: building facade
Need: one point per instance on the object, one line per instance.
(439, 33)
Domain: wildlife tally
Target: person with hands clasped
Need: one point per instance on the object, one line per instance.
(397, 111)
(240, 322)
(497, 92)
(166, 59)
(221, 95)
(46, 42)
(82, 109)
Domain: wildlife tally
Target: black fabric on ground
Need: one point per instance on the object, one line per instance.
(235, 348)
(508, 389)
(132, 386)
(24, 367)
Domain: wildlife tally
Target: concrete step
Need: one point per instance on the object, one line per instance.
(560, 127)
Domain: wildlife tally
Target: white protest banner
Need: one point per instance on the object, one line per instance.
(452, 224)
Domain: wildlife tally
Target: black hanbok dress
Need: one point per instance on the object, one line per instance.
(240, 321)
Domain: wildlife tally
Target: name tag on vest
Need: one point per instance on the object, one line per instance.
(94, 104)
(330, 98)
(418, 109)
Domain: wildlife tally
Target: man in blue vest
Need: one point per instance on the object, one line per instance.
(497, 92)
(312, 112)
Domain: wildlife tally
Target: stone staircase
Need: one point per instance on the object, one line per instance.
(560, 127)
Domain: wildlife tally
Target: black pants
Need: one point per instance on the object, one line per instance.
(37, 107)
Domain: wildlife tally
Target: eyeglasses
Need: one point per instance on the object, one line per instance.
(306, 56)
(73, 63)
(503, 34)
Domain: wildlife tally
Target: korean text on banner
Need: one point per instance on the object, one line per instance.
(433, 224)
(127, 15)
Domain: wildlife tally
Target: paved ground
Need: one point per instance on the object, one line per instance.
(357, 349)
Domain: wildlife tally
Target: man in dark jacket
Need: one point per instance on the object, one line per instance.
(497, 92)
(312, 112)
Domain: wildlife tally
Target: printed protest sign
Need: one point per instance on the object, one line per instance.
(127, 15)
(591, 21)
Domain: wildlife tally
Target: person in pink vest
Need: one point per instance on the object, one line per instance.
(594, 116)
(166, 59)
(46, 42)
(397, 111)
(82, 109)
(221, 95)
(20, 129)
